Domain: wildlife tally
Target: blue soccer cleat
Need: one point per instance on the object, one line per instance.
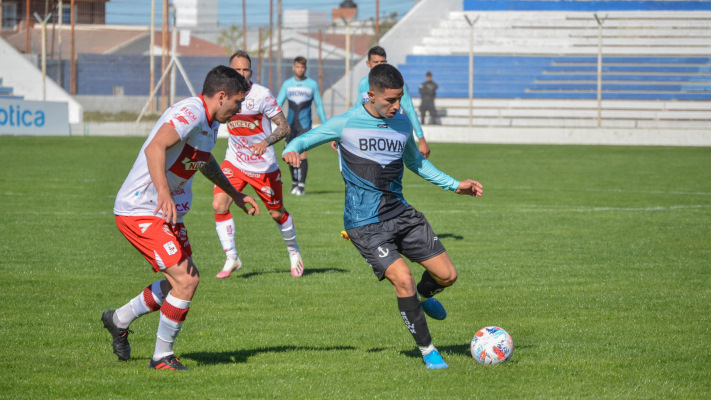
(434, 309)
(434, 361)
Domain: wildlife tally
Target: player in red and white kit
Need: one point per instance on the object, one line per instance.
(153, 200)
(250, 159)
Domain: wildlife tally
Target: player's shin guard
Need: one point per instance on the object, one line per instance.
(415, 320)
(303, 170)
(172, 316)
(428, 287)
(225, 227)
(148, 301)
(286, 227)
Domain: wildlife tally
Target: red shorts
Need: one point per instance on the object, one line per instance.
(160, 243)
(267, 186)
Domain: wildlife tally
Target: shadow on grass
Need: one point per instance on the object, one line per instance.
(307, 271)
(241, 356)
(450, 236)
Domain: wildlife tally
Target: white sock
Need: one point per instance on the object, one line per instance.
(148, 301)
(288, 232)
(425, 350)
(226, 232)
(172, 316)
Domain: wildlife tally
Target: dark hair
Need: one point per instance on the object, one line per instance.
(222, 78)
(385, 76)
(428, 73)
(300, 60)
(241, 54)
(376, 51)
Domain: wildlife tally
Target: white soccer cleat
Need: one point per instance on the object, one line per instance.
(297, 264)
(231, 265)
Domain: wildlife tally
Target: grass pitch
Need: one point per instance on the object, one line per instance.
(595, 259)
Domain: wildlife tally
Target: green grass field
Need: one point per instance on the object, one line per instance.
(595, 259)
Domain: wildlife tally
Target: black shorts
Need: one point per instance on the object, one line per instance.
(382, 243)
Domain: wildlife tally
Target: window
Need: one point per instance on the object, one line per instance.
(9, 15)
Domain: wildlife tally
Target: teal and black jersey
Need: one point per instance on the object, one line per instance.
(373, 152)
(300, 95)
(406, 105)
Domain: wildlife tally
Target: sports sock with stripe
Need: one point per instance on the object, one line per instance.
(148, 301)
(172, 316)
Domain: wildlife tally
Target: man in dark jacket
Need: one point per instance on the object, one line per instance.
(428, 92)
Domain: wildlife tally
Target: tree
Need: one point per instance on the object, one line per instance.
(231, 39)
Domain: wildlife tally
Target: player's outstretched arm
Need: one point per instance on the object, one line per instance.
(212, 171)
(282, 129)
(470, 187)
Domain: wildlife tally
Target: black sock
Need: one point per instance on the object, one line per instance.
(304, 168)
(428, 287)
(293, 175)
(415, 320)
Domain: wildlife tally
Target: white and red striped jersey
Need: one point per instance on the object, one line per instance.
(138, 196)
(249, 127)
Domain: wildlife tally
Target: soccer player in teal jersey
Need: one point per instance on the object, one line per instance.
(376, 56)
(301, 91)
(375, 144)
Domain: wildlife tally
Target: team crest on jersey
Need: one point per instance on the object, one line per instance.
(242, 140)
(267, 191)
(250, 104)
(227, 172)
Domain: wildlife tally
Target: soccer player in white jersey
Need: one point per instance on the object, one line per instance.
(153, 200)
(375, 143)
(250, 159)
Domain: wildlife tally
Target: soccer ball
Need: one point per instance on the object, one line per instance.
(492, 345)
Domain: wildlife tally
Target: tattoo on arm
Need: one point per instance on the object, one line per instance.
(212, 171)
(282, 129)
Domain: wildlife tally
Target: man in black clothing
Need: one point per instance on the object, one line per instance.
(428, 92)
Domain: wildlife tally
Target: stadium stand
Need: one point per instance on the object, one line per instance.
(6, 92)
(537, 65)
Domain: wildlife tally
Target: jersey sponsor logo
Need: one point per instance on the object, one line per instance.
(188, 113)
(248, 158)
(267, 191)
(170, 248)
(382, 125)
(182, 208)
(191, 165)
(189, 162)
(182, 119)
(381, 144)
(383, 252)
(252, 174)
(177, 192)
(145, 226)
(243, 124)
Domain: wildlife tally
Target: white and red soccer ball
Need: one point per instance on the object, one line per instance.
(492, 345)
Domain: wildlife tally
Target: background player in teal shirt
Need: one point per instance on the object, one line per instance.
(301, 91)
(375, 143)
